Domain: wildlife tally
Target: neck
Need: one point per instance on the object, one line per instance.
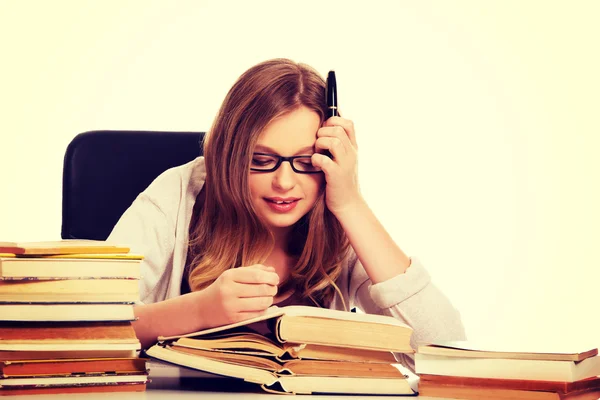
(279, 257)
(281, 236)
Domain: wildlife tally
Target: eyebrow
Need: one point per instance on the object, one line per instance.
(260, 147)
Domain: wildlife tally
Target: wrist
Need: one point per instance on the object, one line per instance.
(358, 205)
(193, 309)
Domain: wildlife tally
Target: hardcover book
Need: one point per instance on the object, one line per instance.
(75, 266)
(39, 340)
(322, 326)
(242, 342)
(67, 246)
(24, 312)
(391, 382)
(72, 366)
(532, 351)
(69, 290)
(521, 361)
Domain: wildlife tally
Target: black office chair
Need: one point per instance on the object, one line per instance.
(104, 171)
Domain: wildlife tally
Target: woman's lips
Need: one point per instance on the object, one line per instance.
(281, 207)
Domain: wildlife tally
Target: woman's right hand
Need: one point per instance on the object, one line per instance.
(239, 294)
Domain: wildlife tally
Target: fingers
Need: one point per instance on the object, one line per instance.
(245, 290)
(340, 127)
(243, 316)
(254, 275)
(253, 286)
(334, 135)
(253, 304)
(324, 163)
(333, 144)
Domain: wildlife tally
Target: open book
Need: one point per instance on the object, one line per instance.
(322, 326)
(227, 344)
(278, 379)
(309, 350)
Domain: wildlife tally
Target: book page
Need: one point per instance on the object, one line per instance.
(307, 311)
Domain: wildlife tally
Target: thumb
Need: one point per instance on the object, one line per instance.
(263, 267)
(322, 162)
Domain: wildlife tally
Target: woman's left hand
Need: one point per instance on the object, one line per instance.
(341, 173)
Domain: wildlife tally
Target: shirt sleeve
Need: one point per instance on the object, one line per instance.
(145, 228)
(411, 298)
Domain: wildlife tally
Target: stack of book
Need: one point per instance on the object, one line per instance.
(469, 370)
(300, 350)
(65, 318)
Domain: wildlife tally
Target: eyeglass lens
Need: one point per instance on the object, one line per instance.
(267, 162)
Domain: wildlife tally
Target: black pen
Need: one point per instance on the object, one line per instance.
(332, 100)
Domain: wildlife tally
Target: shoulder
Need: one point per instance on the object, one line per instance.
(177, 183)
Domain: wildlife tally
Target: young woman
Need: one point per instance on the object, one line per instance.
(266, 217)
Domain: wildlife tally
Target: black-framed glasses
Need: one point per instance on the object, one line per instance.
(263, 162)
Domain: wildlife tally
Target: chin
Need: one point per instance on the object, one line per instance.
(282, 222)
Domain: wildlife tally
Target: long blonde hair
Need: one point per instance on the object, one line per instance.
(225, 231)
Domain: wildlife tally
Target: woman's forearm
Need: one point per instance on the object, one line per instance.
(379, 254)
(175, 316)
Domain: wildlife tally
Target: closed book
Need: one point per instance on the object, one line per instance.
(447, 391)
(73, 389)
(25, 355)
(321, 326)
(72, 380)
(286, 383)
(69, 336)
(67, 246)
(28, 341)
(66, 312)
(69, 290)
(23, 368)
(543, 370)
(523, 351)
(67, 340)
(515, 384)
(78, 266)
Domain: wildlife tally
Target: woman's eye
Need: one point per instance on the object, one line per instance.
(262, 161)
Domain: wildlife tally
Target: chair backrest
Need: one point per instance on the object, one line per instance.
(104, 171)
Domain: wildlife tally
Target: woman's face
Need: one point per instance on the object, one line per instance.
(293, 134)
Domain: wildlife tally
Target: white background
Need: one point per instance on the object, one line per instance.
(478, 125)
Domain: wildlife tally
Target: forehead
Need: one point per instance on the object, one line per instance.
(292, 131)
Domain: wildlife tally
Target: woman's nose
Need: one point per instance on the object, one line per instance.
(285, 177)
